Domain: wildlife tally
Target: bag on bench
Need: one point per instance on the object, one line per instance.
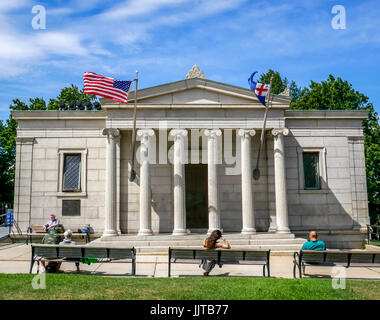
(52, 267)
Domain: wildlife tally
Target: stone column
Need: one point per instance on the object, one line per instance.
(179, 181)
(248, 214)
(213, 197)
(145, 188)
(280, 180)
(110, 190)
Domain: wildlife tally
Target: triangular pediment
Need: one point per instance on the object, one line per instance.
(196, 91)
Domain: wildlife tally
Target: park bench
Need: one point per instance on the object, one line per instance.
(38, 230)
(331, 258)
(221, 256)
(73, 253)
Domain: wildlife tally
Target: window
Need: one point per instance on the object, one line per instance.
(311, 177)
(71, 172)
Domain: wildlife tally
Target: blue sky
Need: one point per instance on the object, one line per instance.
(163, 39)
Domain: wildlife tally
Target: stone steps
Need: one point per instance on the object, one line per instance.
(160, 244)
(229, 236)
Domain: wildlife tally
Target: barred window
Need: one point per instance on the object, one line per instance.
(71, 172)
(311, 171)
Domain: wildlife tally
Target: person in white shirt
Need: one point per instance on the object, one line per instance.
(50, 225)
(67, 241)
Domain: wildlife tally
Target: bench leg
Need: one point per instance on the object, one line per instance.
(264, 270)
(31, 265)
(170, 258)
(133, 267)
(268, 269)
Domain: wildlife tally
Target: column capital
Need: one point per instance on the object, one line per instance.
(111, 132)
(145, 132)
(212, 133)
(246, 132)
(24, 140)
(178, 132)
(283, 131)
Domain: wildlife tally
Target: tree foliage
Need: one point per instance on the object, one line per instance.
(338, 94)
(8, 131)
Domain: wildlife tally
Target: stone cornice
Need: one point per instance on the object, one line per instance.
(251, 106)
(60, 115)
(24, 140)
(325, 114)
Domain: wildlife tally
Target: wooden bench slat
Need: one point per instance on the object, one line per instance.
(120, 253)
(335, 257)
(221, 256)
(70, 252)
(95, 253)
(73, 253)
(46, 251)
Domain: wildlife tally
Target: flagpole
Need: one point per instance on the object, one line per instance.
(133, 172)
(256, 171)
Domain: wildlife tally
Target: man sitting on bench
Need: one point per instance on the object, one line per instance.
(50, 225)
(313, 243)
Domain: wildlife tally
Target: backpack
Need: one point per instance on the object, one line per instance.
(51, 238)
(52, 267)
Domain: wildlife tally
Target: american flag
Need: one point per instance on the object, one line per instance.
(106, 87)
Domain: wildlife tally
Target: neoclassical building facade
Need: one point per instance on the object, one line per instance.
(202, 163)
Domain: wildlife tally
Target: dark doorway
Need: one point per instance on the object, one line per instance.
(196, 196)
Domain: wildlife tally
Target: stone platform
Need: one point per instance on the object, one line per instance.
(161, 242)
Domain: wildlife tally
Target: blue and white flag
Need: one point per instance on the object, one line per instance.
(260, 89)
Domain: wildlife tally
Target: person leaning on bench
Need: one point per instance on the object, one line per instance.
(52, 223)
(313, 243)
(211, 243)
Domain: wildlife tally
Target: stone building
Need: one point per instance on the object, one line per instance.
(198, 143)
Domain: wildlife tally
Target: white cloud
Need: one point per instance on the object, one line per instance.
(9, 5)
(133, 8)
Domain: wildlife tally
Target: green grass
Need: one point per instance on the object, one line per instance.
(375, 243)
(63, 286)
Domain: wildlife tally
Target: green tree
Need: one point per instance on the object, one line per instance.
(338, 94)
(70, 94)
(8, 131)
(279, 84)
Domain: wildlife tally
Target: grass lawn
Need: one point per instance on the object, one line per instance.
(63, 286)
(375, 243)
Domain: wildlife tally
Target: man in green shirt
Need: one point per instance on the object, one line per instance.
(313, 243)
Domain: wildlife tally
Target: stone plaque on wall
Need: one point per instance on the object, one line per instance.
(70, 207)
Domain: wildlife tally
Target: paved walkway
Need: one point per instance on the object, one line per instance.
(15, 258)
(4, 231)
